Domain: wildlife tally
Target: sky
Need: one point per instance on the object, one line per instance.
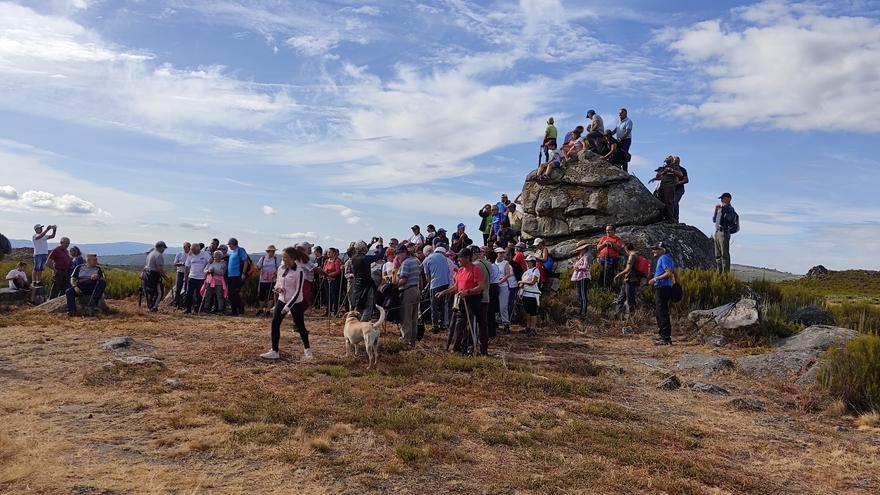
(328, 121)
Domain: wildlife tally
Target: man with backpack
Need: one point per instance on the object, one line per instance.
(637, 268)
(726, 223)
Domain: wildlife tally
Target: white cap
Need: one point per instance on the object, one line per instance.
(440, 249)
(538, 241)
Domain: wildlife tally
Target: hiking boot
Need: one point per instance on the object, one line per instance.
(507, 328)
(530, 332)
(663, 342)
(71, 314)
(271, 355)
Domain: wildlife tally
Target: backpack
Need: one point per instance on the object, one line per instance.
(734, 222)
(643, 266)
(548, 263)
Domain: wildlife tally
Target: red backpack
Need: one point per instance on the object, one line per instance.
(643, 266)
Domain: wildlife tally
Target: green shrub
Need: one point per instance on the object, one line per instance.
(852, 372)
(861, 316)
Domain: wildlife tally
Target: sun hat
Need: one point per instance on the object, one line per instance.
(581, 245)
(271, 247)
(538, 241)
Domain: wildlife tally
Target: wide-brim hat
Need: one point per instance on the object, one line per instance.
(581, 245)
(271, 247)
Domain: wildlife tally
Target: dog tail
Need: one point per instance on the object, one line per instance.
(381, 320)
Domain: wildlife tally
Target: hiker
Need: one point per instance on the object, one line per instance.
(333, 275)
(609, 248)
(59, 262)
(483, 327)
(289, 288)
(460, 239)
(613, 152)
(637, 269)
(623, 131)
(515, 218)
(215, 245)
(195, 263)
(662, 282)
(430, 234)
(503, 205)
(76, 257)
(582, 274)
(41, 249)
(572, 145)
(545, 261)
(595, 129)
(487, 218)
(363, 292)
(319, 298)
(236, 273)
(408, 278)
(86, 280)
(438, 279)
(154, 272)
(268, 265)
(466, 294)
(681, 180)
(17, 278)
(417, 238)
(726, 223)
(531, 294)
(548, 144)
(506, 282)
(667, 175)
(440, 239)
(180, 280)
(215, 290)
(505, 234)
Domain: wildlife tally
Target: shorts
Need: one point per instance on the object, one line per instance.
(530, 305)
(40, 262)
(264, 291)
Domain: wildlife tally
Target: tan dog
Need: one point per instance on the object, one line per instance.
(356, 331)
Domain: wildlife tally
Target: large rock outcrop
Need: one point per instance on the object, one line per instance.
(589, 193)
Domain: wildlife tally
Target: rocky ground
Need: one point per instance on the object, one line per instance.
(186, 406)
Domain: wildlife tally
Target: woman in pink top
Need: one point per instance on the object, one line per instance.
(582, 276)
(289, 287)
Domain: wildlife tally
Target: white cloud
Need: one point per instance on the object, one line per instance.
(8, 192)
(194, 225)
(42, 200)
(362, 10)
(268, 210)
(348, 215)
(787, 66)
(315, 45)
(300, 235)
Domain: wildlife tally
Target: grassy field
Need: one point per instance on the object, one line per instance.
(575, 410)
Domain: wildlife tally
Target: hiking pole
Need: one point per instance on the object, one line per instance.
(474, 336)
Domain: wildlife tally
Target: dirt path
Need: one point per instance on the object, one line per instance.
(550, 415)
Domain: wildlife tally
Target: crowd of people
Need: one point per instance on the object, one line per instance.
(472, 291)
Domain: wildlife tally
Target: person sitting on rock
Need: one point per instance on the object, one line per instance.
(17, 277)
(614, 153)
(86, 280)
(573, 145)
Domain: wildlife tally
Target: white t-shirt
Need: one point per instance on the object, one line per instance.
(197, 263)
(180, 261)
(532, 290)
(268, 268)
(14, 274)
(388, 269)
(41, 245)
(510, 282)
(417, 239)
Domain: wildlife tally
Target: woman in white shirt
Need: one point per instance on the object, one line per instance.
(291, 299)
(268, 264)
(531, 294)
(504, 281)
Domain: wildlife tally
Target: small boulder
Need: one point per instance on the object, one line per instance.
(628, 331)
(738, 316)
(812, 315)
(714, 340)
(708, 364)
(173, 382)
(797, 354)
(747, 404)
(59, 305)
(670, 383)
(117, 343)
(817, 271)
(708, 388)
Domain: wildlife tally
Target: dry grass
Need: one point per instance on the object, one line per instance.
(539, 416)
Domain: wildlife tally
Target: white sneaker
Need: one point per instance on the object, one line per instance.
(307, 354)
(270, 355)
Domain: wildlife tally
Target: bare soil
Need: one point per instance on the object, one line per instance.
(575, 410)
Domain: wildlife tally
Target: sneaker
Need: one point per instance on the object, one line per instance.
(270, 355)
(663, 342)
(307, 354)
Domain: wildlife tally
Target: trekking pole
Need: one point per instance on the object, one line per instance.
(473, 331)
(605, 273)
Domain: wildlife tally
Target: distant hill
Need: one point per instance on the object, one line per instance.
(102, 249)
(748, 273)
(842, 285)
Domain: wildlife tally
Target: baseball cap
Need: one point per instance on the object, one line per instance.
(161, 244)
(538, 241)
(461, 225)
(38, 226)
(723, 195)
(500, 250)
(591, 112)
(660, 245)
(441, 230)
(440, 249)
(531, 257)
(521, 246)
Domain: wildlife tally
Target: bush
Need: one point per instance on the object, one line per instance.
(861, 316)
(852, 372)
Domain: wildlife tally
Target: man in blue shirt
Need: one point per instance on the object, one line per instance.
(623, 131)
(436, 270)
(235, 275)
(664, 277)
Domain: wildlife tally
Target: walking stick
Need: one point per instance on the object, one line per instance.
(474, 336)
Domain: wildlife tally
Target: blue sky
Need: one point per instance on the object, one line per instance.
(327, 121)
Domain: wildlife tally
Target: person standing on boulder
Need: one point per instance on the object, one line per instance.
(41, 249)
(609, 248)
(726, 223)
(549, 141)
(623, 131)
(662, 282)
